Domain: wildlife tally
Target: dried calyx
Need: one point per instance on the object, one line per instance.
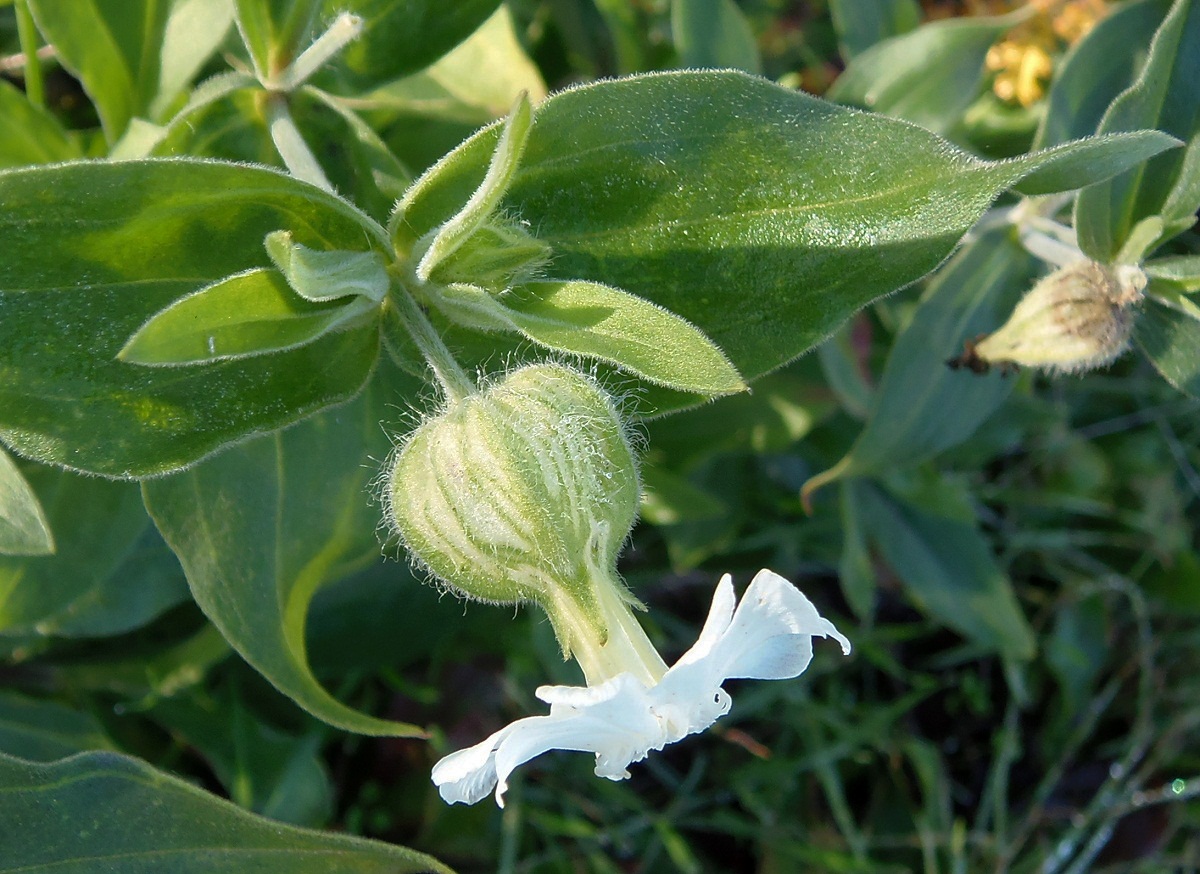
(1077, 318)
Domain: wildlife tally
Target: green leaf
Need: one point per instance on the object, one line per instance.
(597, 321)
(477, 81)
(1166, 96)
(29, 135)
(503, 166)
(1096, 69)
(713, 33)
(104, 811)
(261, 527)
(855, 570)
(262, 768)
(319, 276)
(110, 574)
(355, 159)
(1077, 649)
(763, 216)
(110, 46)
(146, 675)
(23, 526)
(195, 29)
(253, 313)
(224, 119)
(402, 36)
(947, 568)
(1171, 340)
(922, 407)
(274, 31)
(669, 499)
(861, 24)
(782, 408)
(1104, 158)
(94, 251)
(1181, 271)
(928, 76)
(844, 367)
(42, 731)
(132, 56)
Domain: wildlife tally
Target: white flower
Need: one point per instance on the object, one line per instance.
(768, 637)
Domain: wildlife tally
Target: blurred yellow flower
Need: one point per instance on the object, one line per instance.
(1024, 60)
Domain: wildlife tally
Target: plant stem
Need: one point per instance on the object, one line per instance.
(27, 34)
(297, 157)
(344, 29)
(454, 380)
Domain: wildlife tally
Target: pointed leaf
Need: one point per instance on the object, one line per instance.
(1181, 271)
(598, 321)
(861, 24)
(94, 250)
(715, 34)
(319, 276)
(1105, 157)
(1096, 69)
(274, 31)
(762, 216)
(947, 568)
(928, 76)
(922, 407)
(403, 36)
(1166, 96)
(104, 811)
(43, 731)
(23, 526)
(29, 135)
(110, 574)
(501, 169)
(253, 313)
(1170, 338)
(261, 527)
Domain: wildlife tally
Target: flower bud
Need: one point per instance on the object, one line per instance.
(524, 491)
(1077, 318)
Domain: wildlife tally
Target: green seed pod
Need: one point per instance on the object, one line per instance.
(525, 491)
(1075, 319)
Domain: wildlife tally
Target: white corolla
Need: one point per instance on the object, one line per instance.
(621, 719)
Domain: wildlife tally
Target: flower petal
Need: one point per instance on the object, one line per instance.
(468, 775)
(768, 638)
(612, 720)
(720, 614)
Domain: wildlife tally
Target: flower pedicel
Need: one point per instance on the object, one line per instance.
(526, 491)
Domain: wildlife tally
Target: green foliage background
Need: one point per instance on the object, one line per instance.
(1014, 557)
